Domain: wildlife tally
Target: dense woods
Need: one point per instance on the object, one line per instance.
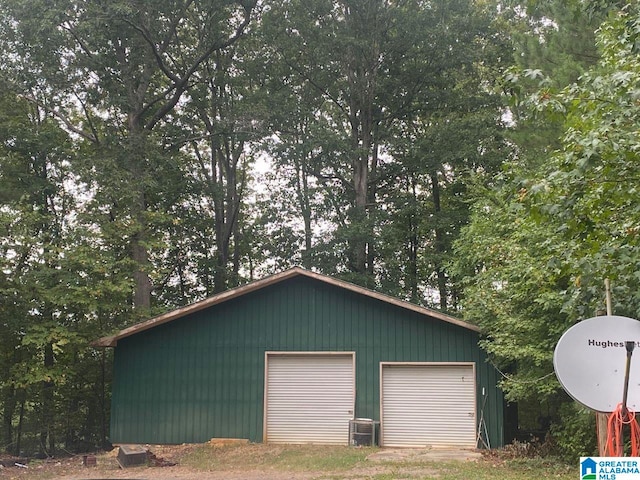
(476, 157)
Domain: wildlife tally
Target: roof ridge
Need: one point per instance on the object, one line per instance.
(112, 340)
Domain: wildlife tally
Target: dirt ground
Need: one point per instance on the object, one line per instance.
(107, 467)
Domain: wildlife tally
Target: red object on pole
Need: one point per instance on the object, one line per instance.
(615, 441)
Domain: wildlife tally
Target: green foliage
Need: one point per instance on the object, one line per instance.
(382, 114)
(515, 284)
(554, 44)
(49, 291)
(588, 186)
(560, 219)
(91, 189)
(574, 435)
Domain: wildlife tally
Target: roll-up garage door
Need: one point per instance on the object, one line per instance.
(428, 405)
(309, 398)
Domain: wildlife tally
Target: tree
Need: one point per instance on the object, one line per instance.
(552, 40)
(89, 184)
(362, 74)
(454, 137)
(126, 65)
(590, 183)
(226, 104)
(542, 242)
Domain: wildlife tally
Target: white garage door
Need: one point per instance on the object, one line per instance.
(309, 398)
(428, 405)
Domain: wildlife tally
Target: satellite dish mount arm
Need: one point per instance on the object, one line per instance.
(629, 345)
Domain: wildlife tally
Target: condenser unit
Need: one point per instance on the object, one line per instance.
(363, 432)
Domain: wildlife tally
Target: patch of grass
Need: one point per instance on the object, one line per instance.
(310, 462)
(290, 458)
(346, 463)
(321, 458)
(479, 470)
(525, 469)
(553, 466)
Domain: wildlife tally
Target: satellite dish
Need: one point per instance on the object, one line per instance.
(590, 361)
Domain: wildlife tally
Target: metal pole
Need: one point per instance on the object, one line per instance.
(602, 419)
(629, 345)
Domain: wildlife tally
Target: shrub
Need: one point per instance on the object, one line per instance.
(575, 434)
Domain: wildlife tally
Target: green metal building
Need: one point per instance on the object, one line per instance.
(293, 358)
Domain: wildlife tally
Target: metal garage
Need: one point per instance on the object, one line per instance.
(309, 397)
(292, 358)
(426, 404)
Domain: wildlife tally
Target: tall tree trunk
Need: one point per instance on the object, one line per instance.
(23, 400)
(48, 406)
(143, 288)
(217, 190)
(225, 207)
(439, 246)
(301, 166)
(228, 209)
(370, 207)
(103, 399)
(360, 165)
(139, 252)
(136, 152)
(362, 72)
(9, 407)
(226, 153)
(413, 247)
(237, 253)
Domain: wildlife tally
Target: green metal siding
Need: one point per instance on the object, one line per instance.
(202, 376)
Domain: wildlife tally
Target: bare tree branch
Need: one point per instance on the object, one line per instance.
(83, 46)
(182, 84)
(63, 118)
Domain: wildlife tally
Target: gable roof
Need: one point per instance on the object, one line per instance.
(112, 340)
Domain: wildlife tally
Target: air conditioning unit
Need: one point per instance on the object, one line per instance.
(363, 432)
